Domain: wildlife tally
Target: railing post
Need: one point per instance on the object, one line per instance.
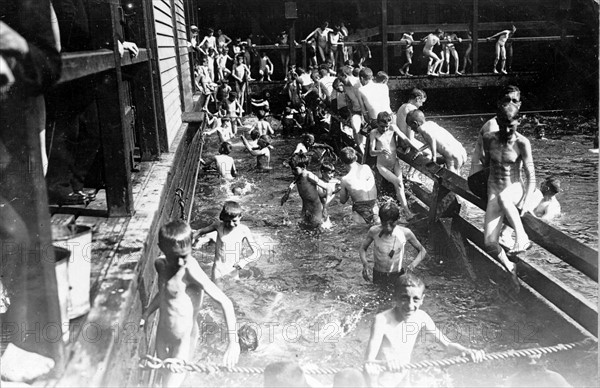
(384, 35)
(475, 36)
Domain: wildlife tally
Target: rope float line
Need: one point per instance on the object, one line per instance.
(180, 366)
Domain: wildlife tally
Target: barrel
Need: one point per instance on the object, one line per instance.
(78, 240)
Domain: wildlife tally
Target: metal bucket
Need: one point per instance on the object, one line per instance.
(78, 240)
(61, 256)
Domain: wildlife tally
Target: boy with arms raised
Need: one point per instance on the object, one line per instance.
(395, 332)
(231, 234)
(180, 285)
(389, 240)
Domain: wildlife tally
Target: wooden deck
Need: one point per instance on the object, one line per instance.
(104, 343)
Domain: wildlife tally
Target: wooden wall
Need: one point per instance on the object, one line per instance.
(175, 76)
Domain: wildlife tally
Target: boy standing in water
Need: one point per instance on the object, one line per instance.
(395, 332)
(231, 234)
(389, 240)
(180, 284)
(263, 153)
(548, 207)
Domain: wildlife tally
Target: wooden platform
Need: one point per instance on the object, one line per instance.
(479, 80)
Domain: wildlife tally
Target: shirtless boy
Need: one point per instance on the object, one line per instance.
(225, 163)
(395, 332)
(435, 62)
(439, 140)
(388, 240)
(351, 85)
(374, 97)
(263, 153)
(548, 207)
(321, 35)
(241, 75)
(266, 67)
(408, 50)
(231, 236)
(180, 284)
(359, 184)
(327, 193)
(502, 37)
(306, 183)
(506, 152)
(383, 146)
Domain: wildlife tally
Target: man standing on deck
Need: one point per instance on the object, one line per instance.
(359, 184)
(506, 152)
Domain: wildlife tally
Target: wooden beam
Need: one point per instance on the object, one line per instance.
(427, 28)
(464, 81)
(291, 45)
(384, 34)
(567, 300)
(177, 54)
(475, 36)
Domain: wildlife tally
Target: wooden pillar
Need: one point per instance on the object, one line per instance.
(292, 45)
(177, 54)
(304, 59)
(384, 35)
(475, 35)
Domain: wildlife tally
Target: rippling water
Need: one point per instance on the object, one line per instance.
(307, 298)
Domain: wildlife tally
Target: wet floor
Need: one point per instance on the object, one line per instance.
(308, 301)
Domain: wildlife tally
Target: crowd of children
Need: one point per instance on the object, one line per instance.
(341, 112)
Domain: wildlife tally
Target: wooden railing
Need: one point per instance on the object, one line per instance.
(571, 251)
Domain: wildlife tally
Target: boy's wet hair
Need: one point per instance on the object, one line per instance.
(365, 73)
(225, 148)
(507, 112)
(308, 138)
(231, 210)
(506, 90)
(553, 183)
(438, 31)
(416, 92)
(356, 72)
(384, 117)
(327, 167)
(414, 115)
(408, 280)
(348, 155)
(176, 233)
(389, 212)
(261, 114)
(382, 77)
(345, 71)
(255, 134)
(248, 338)
(284, 374)
(298, 160)
(265, 139)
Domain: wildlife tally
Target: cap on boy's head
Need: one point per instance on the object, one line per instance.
(553, 184)
(175, 233)
(408, 280)
(231, 209)
(349, 377)
(248, 338)
(348, 155)
(194, 29)
(284, 374)
(389, 212)
(225, 148)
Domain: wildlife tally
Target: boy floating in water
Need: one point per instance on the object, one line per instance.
(180, 284)
(388, 249)
(231, 234)
(395, 332)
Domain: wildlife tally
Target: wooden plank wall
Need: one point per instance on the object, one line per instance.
(168, 66)
(184, 58)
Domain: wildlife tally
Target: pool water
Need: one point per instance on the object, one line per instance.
(309, 303)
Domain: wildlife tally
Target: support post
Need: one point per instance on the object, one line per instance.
(384, 35)
(304, 59)
(292, 45)
(475, 36)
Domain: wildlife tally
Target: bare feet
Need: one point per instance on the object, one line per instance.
(495, 71)
(503, 71)
(520, 247)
